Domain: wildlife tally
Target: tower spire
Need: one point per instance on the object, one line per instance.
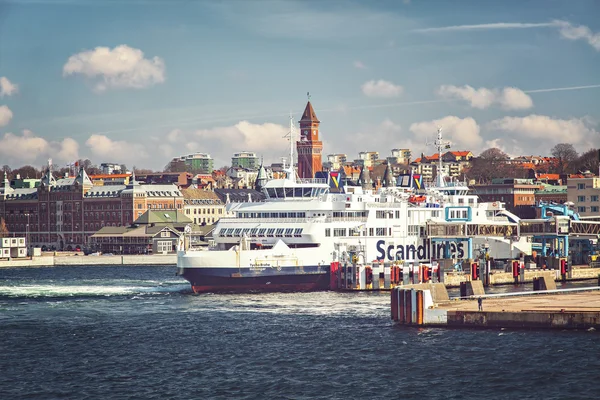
(309, 146)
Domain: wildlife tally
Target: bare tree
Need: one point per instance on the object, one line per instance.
(587, 161)
(565, 155)
(3, 229)
(490, 164)
(26, 171)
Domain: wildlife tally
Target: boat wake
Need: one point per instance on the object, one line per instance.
(96, 289)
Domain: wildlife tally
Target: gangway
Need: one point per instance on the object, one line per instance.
(561, 209)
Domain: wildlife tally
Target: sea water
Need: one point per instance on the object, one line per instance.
(140, 333)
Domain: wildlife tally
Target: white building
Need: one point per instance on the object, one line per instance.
(399, 156)
(111, 168)
(202, 206)
(585, 195)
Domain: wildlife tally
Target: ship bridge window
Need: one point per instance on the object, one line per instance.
(271, 193)
(380, 231)
(339, 231)
(288, 232)
(279, 193)
(261, 232)
(271, 232)
(279, 232)
(298, 232)
(292, 215)
(301, 215)
(413, 230)
(237, 232)
(289, 192)
(253, 231)
(283, 215)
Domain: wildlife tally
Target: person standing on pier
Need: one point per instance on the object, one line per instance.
(480, 303)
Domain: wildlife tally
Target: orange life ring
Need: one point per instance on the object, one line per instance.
(494, 204)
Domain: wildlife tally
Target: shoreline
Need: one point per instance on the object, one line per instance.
(76, 260)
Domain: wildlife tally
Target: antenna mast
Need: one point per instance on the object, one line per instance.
(440, 145)
(290, 172)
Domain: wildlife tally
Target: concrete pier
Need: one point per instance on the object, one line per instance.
(57, 261)
(551, 309)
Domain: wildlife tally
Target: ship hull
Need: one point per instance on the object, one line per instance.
(293, 279)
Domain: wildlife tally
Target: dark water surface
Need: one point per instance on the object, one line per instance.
(138, 332)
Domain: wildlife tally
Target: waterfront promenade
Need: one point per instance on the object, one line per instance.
(75, 260)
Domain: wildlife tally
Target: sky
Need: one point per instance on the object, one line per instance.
(139, 82)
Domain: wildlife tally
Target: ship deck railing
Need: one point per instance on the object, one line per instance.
(235, 220)
(311, 180)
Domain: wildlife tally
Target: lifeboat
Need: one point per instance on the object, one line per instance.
(416, 199)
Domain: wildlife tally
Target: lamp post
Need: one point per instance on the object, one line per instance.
(27, 234)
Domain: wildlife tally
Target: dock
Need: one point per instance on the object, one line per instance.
(546, 309)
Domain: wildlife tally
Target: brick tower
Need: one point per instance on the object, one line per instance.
(309, 146)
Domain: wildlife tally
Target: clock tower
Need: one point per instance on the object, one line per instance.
(309, 146)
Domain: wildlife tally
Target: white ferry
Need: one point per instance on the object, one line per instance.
(290, 241)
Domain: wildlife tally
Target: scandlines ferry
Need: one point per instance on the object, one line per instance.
(289, 241)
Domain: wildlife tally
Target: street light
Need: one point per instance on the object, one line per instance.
(27, 234)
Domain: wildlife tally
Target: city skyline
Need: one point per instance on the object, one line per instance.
(141, 82)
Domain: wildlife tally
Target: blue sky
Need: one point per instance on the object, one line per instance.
(142, 81)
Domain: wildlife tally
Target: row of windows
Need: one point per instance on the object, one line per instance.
(583, 209)
(260, 232)
(341, 232)
(581, 199)
(281, 193)
(204, 211)
(205, 220)
(459, 214)
(350, 214)
(272, 215)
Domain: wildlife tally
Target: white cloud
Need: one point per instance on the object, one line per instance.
(565, 28)
(497, 25)
(266, 139)
(581, 32)
(359, 65)
(381, 88)
(121, 67)
(537, 131)
(68, 150)
(7, 88)
(5, 115)
(119, 151)
(464, 133)
(514, 99)
(381, 137)
(29, 148)
(174, 135)
(509, 98)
